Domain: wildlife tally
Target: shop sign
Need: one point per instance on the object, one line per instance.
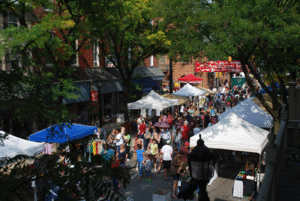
(95, 96)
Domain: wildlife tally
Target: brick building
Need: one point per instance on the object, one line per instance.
(180, 70)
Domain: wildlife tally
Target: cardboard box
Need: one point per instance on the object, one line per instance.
(162, 195)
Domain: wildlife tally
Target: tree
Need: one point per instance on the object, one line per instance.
(15, 182)
(28, 90)
(43, 49)
(127, 36)
(263, 35)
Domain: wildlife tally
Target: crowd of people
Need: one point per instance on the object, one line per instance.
(163, 142)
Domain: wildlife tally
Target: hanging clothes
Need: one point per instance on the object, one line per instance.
(94, 148)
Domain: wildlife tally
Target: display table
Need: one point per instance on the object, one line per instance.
(243, 187)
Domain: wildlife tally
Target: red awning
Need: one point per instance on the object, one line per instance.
(190, 79)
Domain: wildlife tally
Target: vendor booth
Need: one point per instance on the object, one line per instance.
(190, 79)
(13, 146)
(152, 101)
(234, 133)
(189, 90)
(63, 133)
(181, 99)
(250, 112)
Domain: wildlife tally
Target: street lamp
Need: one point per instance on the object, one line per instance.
(201, 164)
(99, 83)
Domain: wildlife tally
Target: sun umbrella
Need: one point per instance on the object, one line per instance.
(163, 125)
(157, 124)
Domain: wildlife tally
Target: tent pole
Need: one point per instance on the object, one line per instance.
(259, 171)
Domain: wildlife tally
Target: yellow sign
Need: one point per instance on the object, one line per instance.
(176, 84)
(229, 58)
(218, 74)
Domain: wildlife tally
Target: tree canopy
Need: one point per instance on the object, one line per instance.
(264, 35)
(127, 35)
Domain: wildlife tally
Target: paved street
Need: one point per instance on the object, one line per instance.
(220, 190)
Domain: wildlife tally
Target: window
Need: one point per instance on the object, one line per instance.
(74, 49)
(95, 53)
(151, 60)
(12, 58)
(109, 61)
(162, 59)
(12, 20)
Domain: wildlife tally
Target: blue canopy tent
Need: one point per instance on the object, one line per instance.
(63, 133)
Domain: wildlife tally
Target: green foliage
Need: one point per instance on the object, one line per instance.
(265, 32)
(48, 171)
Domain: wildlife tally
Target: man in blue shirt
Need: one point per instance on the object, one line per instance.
(197, 129)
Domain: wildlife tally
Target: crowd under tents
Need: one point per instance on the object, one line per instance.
(152, 101)
(63, 133)
(181, 99)
(250, 112)
(208, 91)
(189, 90)
(12, 146)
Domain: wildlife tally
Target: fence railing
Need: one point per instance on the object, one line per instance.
(275, 158)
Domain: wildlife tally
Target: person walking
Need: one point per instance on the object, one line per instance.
(147, 137)
(167, 152)
(178, 139)
(165, 136)
(127, 143)
(148, 165)
(153, 149)
(176, 164)
(140, 160)
(184, 129)
(197, 129)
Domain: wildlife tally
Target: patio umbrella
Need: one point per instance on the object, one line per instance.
(163, 125)
(157, 124)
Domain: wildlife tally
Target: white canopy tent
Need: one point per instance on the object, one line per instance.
(13, 146)
(189, 90)
(233, 133)
(152, 101)
(251, 113)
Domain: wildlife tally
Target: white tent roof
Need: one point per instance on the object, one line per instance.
(252, 113)
(233, 133)
(13, 146)
(152, 101)
(189, 90)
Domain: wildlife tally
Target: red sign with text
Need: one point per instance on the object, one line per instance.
(95, 96)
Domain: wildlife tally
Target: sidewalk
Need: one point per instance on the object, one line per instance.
(220, 190)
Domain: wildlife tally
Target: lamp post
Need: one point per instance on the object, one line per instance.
(99, 83)
(201, 164)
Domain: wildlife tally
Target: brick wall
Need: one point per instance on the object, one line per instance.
(85, 55)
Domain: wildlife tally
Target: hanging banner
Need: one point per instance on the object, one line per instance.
(219, 66)
(95, 96)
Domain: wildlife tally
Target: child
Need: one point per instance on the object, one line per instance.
(140, 159)
(148, 167)
(115, 164)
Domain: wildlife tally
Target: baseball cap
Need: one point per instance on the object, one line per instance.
(168, 141)
(186, 122)
(186, 144)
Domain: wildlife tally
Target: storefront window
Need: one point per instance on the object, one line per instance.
(107, 104)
